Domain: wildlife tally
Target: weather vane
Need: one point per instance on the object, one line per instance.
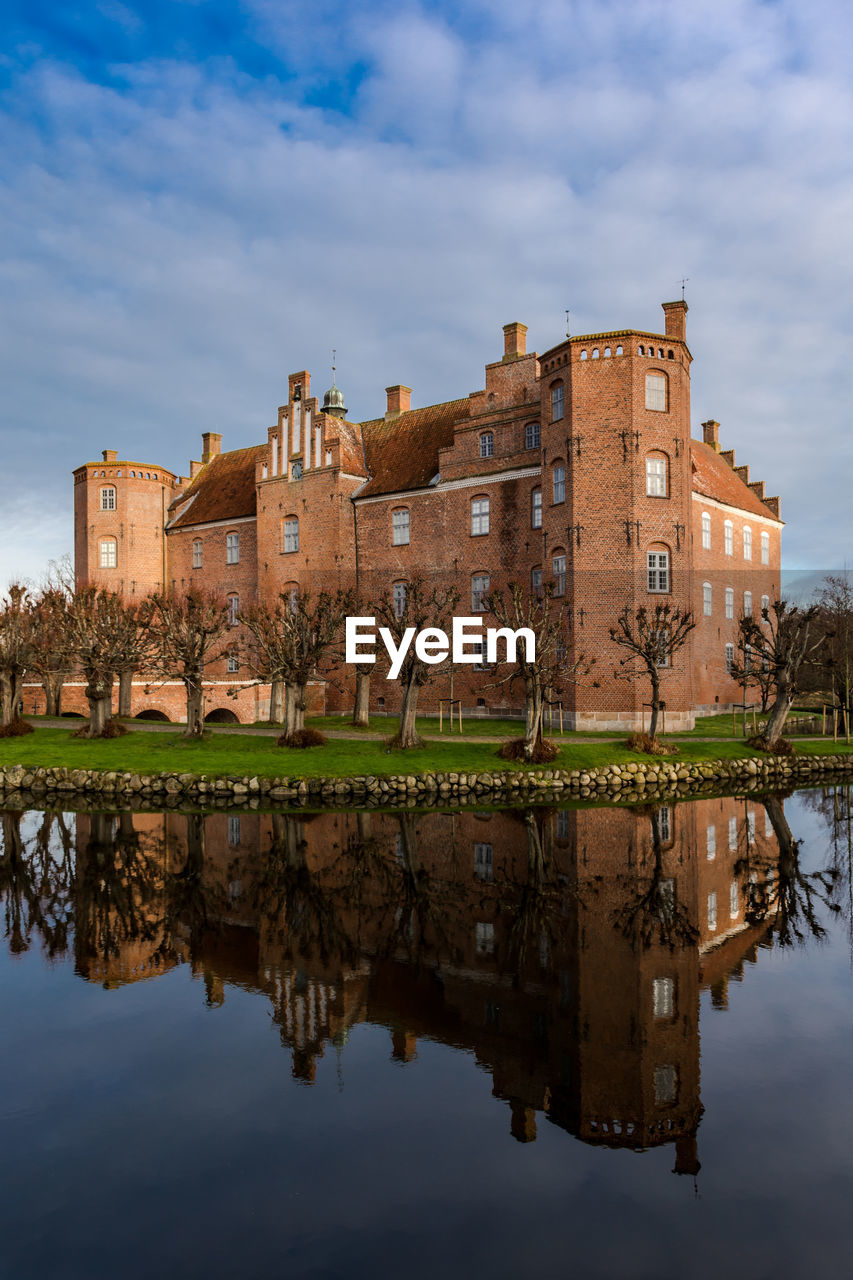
(567, 322)
(683, 283)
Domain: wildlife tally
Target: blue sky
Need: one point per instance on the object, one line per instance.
(197, 198)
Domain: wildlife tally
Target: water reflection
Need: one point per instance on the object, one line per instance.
(565, 949)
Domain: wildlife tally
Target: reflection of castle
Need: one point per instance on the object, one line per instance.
(565, 950)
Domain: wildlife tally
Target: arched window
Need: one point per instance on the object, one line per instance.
(583, 355)
(765, 548)
(706, 531)
(730, 602)
(531, 435)
(747, 542)
(641, 350)
(399, 598)
(536, 509)
(108, 499)
(747, 604)
(198, 553)
(765, 608)
(479, 590)
(606, 352)
(232, 666)
(657, 476)
(559, 478)
(728, 538)
(487, 444)
(558, 569)
(656, 391)
(290, 534)
(557, 401)
(400, 527)
(109, 553)
(707, 599)
(233, 609)
(232, 548)
(730, 662)
(657, 569)
(479, 516)
(619, 351)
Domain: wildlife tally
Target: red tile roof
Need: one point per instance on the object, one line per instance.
(224, 489)
(714, 478)
(403, 453)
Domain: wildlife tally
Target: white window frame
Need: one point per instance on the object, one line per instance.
(198, 553)
(747, 604)
(657, 476)
(730, 602)
(290, 535)
(558, 570)
(747, 542)
(734, 900)
(657, 572)
(398, 597)
(730, 658)
(232, 664)
(110, 559)
(232, 548)
(108, 498)
(765, 547)
(487, 444)
(711, 841)
(536, 509)
(707, 599)
(729, 538)
(233, 609)
(400, 527)
(559, 483)
(656, 390)
(558, 399)
(706, 531)
(765, 606)
(663, 997)
(712, 911)
(480, 513)
(733, 835)
(536, 582)
(532, 436)
(480, 585)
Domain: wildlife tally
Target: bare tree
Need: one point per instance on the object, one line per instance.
(105, 635)
(785, 642)
(16, 651)
(52, 651)
(652, 638)
(188, 632)
(541, 667)
(836, 618)
(423, 607)
(290, 640)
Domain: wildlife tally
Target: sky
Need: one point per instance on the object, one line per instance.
(197, 198)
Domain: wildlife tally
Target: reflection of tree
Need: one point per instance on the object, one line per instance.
(654, 914)
(834, 806)
(536, 911)
(422, 922)
(36, 883)
(784, 894)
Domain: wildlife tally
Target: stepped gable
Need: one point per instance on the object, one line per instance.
(224, 489)
(714, 478)
(402, 453)
(349, 440)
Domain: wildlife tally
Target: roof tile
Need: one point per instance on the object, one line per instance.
(714, 478)
(224, 489)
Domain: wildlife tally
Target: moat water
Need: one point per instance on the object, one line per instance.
(597, 1042)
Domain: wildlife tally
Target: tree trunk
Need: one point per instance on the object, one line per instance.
(276, 714)
(653, 721)
(407, 735)
(125, 689)
(195, 709)
(7, 690)
(294, 709)
(52, 686)
(776, 720)
(533, 725)
(100, 709)
(361, 710)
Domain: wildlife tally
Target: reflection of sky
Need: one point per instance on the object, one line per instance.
(147, 1134)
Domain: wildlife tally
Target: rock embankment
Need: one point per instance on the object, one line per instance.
(636, 781)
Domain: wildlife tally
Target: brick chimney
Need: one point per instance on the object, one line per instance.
(676, 319)
(711, 434)
(211, 445)
(109, 455)
(515, 341)
(399, 401)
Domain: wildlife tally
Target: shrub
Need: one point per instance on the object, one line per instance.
(650, 746)
(112, 729)
(301, 739)
(543, 751)
(16, 729)
(781, 747)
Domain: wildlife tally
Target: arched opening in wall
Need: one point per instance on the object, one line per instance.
(153, 714)
(221, 715)
(73, 715)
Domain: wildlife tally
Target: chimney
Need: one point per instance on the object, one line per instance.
(109, 455)
(195, 467)
(675, 314)
(728, 455)
(211, 445)
(711, 434)
(515, 341)
(399, 401)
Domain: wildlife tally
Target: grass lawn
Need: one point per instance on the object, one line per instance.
(240, 754)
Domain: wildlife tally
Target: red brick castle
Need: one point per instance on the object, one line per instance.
(574, 467)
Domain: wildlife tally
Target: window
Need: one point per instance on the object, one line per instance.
(662, 641)
(666, 1085)
(733, 835)
(536, 583)
(706, 531)
(707, 599)
(479, 589)
(557, 402)
(559, 483)
(712, 910)
(233, 664)
(399, 598)
(233, 610)
(536, 509)
(765, 548)
(108, 499)
(711, 841)
(479, 516)
(233, 830)
(487, 444)
(563, 825)
(728, 538)
(656, 391)
(484, 937)
(663, 997)
(657, 567)
(747, 542)
(734, 899)
(730, 658)
(400, 527)
(531, 435)
(232, 548)
(665, 823)
(483, 863)
(558, 568)
(730, 602)
(108, 553)
(765, 608)
(198, 553)
(747, 604)
(656, 477)
(290, 539)
(750, 826)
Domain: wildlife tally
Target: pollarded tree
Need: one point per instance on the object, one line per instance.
(785, 642)
(16, 652)
(652, 638)
(290, 640)
(52, 653)
(105, 634)
(836, 620)
(188, 632)
(540, 661)
(405, 615)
